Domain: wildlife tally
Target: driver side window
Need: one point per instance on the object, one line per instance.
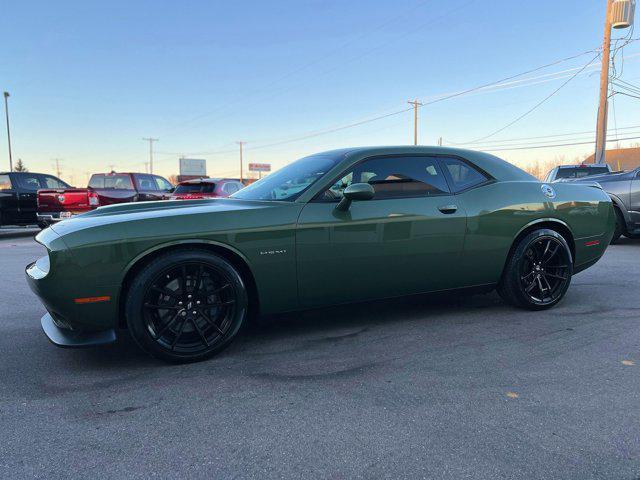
(393, 177)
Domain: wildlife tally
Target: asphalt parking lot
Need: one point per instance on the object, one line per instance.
(447, 388)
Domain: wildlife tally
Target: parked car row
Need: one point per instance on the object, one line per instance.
(28, 198)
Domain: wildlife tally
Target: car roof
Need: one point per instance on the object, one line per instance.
(207, 180)
(585, 165)
(494, 166)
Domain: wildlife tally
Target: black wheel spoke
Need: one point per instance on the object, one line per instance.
(196, 287)
(183, 281)
(212, 323)
(202, 337)
(161, 307)
(178, 334)
(553, 275)
(529, 287)
(165, 291)
(166, 326)
(219, 289)
(546, 259)
(219, 304)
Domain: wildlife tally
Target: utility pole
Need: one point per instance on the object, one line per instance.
(6, 112)
(241, 175)
(150, 140)
(439, 141)
(415, 104)
(57, 161)
(601, 128)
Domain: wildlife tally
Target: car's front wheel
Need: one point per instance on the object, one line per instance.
(538, 272)
(186, 305)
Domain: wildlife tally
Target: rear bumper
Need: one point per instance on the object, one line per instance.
(51, 217)
(66, 338)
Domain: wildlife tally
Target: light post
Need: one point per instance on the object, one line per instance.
(6, 112)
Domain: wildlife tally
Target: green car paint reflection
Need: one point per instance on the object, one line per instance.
(365, 223)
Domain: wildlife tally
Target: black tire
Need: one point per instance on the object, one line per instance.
(186, 305)
(538, 271)
(620, 226)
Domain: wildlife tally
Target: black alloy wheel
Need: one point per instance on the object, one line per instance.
(544, 270)
(186, 306)
(538, 273)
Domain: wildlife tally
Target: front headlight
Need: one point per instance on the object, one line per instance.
(40, 268)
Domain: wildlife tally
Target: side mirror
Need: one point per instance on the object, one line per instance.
(356, 191)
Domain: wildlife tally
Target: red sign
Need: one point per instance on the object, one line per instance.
(259, 167)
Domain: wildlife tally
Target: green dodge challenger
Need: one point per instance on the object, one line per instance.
(341, 226)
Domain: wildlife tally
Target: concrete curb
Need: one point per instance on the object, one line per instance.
(18, 233)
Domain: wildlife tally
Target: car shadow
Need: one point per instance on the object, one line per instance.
(278, 333)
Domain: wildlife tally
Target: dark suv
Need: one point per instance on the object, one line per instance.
(19, 195)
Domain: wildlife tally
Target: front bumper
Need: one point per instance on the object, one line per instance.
(66, 338)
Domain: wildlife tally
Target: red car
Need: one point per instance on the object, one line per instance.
(55, 204)
(206, 188)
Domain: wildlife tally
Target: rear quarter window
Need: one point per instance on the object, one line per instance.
(5, 182)
(462, 174)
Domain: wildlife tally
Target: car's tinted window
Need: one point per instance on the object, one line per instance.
(462, 174)
(195, 188)
(53, 182)
(96, 181)
(162, 183)
(121, 182)
(394, 177)
(5, 182)
(580, 172)
(145, 182)
(29, 181)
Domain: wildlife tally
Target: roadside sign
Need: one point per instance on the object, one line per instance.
(259, 167)
(193, 167)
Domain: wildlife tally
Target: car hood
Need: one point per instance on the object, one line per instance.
(139, 212)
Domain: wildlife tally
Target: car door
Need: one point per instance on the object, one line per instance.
(407, 239)
(29, 184)
(164, 187)
(147, 188)
(9, 211)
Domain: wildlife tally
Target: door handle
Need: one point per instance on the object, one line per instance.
(448, 209)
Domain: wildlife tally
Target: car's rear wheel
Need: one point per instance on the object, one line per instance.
(186, 305)
(538, 272)
(620, 226)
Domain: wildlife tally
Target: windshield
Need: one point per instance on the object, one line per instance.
(579, 172)
(289, 182)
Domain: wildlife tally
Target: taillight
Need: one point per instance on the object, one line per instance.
(94, 201)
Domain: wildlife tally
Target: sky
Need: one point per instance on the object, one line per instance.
(89, 80)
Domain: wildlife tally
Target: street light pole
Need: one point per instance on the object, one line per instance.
(601, 128)
(241, 175)
(6, 112)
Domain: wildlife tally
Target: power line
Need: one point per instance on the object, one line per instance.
(486, 85)
(555, 145)
(537, 105)
(545, 136)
